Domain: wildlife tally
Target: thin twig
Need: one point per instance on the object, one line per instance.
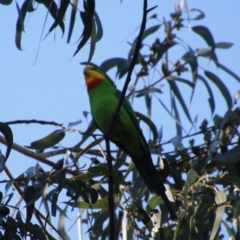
(35, 121)
(111, 206)
(133, 63)
(112, 233)
(47, 154)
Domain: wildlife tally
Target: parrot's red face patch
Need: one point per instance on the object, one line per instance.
(92, 77)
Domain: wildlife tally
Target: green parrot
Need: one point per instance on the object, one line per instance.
(125, 133)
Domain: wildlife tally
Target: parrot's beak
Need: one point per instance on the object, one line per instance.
(86, 70)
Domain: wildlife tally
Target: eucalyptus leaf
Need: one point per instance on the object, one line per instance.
(6, 2)
(99, 32)
(190, 58)
(150, 124)
(90, 195)
(49, 141)
(87, 20)
(209, 90)
(61, 225)
(192, 176)
(177, 93)
(72, 19)
(221, 86)
(99, 204)
(232, 155)
(175, 78)
(221, 200)
(176, 113)
(230, 72)
(99, 220)
(182, 230)
(146, 91)
(205, 33)
(60, 15)
(224, 45)
(53, 10)
(200, 16)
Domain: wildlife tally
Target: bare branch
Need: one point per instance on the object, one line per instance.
(111, 206)
(112, 233)
(35, 121)
(133, 62)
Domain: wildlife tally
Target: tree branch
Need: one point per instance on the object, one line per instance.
(133, 62)
(34, 121)
(138, 46)
(111, 206)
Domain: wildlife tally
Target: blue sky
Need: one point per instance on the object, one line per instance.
(53, 89)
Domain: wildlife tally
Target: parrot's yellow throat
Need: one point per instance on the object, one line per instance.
(92, 77)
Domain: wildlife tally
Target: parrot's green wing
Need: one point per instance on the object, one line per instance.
(127, 106)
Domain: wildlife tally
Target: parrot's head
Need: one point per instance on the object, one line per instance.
(93, 76)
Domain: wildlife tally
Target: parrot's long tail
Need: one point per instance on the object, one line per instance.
(153, 181)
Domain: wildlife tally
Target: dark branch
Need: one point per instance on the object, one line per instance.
(133, 62)
(35, 121)
(135, 55)
(111, 206)
(138, 46)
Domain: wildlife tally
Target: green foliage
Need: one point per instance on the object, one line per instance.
(204, 178)
(92, 27)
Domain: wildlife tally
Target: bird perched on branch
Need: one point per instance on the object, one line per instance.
(125, 131)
